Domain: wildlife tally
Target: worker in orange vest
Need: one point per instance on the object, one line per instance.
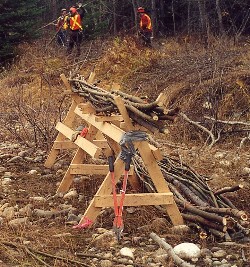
(145, 27)
(61, 28)
(75, 28)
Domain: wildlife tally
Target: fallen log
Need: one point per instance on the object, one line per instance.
(177, 260)
(204, 214)
(204, 222)
(228, 211)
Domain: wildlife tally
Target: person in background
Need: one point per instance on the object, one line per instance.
(145, 26)
(61, 28)
(75, 27)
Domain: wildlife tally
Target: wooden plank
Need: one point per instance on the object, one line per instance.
(109, 118)
(111, 130)
(79, 157)
(91, 77)
(100, 143)
(89, 169)
(66, 82)
(122, 109)
(144, 199)
(81, 142)
(68, 178)
(162, 100)
(67, 144)
(159, 181)
(60, 137)
(87, 108)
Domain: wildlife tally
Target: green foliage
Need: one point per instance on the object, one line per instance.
(19, 21)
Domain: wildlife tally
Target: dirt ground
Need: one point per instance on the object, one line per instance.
(184, 75)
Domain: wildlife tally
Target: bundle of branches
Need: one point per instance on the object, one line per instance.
(149, 115)
(208, 211)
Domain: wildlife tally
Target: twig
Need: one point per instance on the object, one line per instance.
(37, 258)
(214, 140)
(59, 258)
(228, 122)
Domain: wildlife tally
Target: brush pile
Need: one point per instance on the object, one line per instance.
(153, 116)
(209, 212)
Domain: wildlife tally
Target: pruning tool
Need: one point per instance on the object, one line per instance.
(118, 208)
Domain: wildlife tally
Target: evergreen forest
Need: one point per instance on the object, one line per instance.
(23, 20)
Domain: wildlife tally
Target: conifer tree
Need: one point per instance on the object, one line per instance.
(19, 21)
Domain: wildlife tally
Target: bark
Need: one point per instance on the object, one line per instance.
(228, 189)
(206, 223)
(227, 211)
(218, 10)
(204, 214)
(177, 260)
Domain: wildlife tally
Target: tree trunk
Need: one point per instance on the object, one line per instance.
(218, 10)
(135, 14)
(114, 17)
(153, 18)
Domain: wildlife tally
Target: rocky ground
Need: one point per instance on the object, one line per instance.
(36, 225)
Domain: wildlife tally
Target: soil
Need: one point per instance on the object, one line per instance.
(178, 74)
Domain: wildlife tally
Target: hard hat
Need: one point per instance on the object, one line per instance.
(63, 9)
(72, 10)
(140, 10)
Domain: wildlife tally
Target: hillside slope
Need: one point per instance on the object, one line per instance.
(210, 86)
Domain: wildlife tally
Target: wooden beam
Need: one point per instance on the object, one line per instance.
(144, 199)
(162, 100)
(81, 142)
(111, 130)
(91, 77)
(100, 143)
(60, 137)
(109, 118)
(79, 157)
(159, 181)
(122, 109)
(89, 169)
(66, 82)
(87, 108)
(67, 144)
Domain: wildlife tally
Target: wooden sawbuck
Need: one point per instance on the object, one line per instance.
(103, 137)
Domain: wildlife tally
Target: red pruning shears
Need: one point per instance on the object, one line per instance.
(118, 208)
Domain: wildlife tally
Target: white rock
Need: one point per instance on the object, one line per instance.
(17, 222)
(225, 163)
(246, 170)
(26, 211)
(9, 213)
(6, 181)
(106, 263)
(70, 194)
(105, 240)
(220, 155)
(127, 252)
(187, 251)
(32, 172)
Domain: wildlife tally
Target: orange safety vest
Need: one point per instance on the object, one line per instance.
(75, 23)
(145, 23)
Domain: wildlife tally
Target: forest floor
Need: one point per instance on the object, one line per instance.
(203, 82)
